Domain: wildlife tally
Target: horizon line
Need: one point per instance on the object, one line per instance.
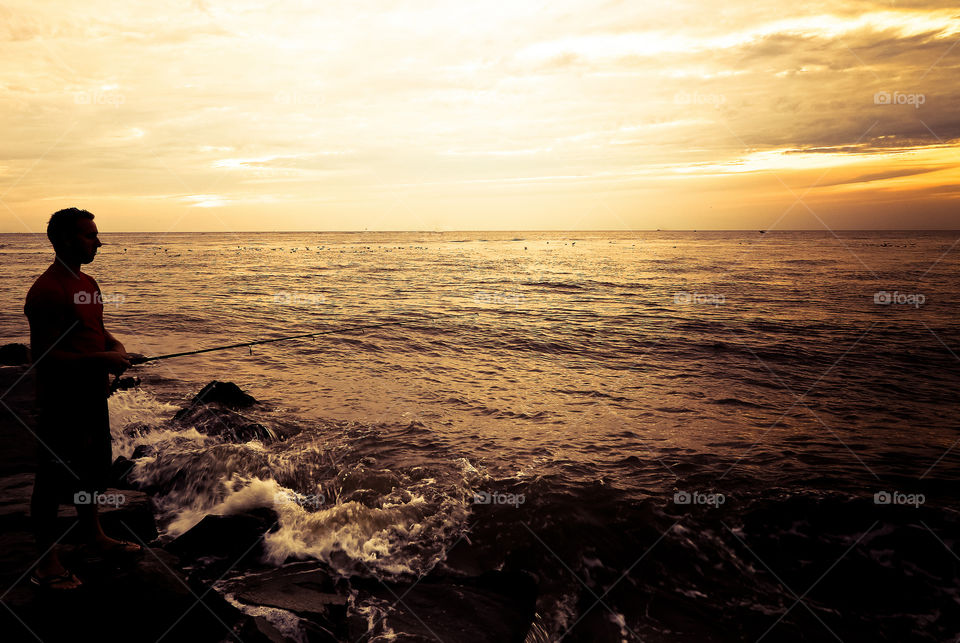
(751, 230)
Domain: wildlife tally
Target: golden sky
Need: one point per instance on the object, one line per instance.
(369, 114)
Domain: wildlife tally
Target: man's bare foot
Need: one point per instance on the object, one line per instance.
(107, 545)
(53, 575)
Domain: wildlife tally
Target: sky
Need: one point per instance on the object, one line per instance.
(511, 115)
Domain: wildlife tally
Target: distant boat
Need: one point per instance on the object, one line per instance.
(763, 232)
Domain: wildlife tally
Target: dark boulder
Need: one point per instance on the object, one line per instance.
(144, 451)
(304, 589)
(226, 394)
(120, 472)
(213, 411)
(494, 607)
(225, 423)
(232, 542)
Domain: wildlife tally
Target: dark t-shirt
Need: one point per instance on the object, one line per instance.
(69, 306)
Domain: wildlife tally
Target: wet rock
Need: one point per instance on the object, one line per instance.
(144, 451)
(120, 472)
(235, 540)
(225, 423)
(124, 383)
(496, 606)
(143, 599)
(226, 394)
(213, 411)
(14, 354)
(301, 588)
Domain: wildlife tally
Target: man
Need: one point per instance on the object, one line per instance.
(73, 355)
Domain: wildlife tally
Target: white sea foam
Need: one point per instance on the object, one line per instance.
(349, 536)
(287, 623)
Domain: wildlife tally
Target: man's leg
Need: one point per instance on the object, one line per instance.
(44, 505)
(95, 536)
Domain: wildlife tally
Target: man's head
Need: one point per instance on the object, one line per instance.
(73, 235)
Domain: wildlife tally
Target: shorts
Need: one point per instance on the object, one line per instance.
(74, 450)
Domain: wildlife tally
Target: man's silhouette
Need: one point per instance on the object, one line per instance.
(73, 355)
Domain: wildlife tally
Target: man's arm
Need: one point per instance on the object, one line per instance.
(113, 344)
(49, 324)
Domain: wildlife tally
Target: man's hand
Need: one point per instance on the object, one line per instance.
(136, 358)
(115, 361)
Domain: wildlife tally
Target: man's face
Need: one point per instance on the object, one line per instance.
(86, 242)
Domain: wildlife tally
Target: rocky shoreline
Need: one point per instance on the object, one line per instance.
(194, 586)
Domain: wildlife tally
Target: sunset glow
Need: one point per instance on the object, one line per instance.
(497, 115)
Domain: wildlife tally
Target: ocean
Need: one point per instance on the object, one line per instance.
(681, 435)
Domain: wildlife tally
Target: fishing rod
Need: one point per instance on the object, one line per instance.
(141, 359)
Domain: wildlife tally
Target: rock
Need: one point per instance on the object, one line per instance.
(144, 451)
(14, 354)
(494, 607)
(227, 394)
(213, 411)
(301, 588)
(236, 539)
(120, 472)
(124, 383)
(144, 599)
(223, 422)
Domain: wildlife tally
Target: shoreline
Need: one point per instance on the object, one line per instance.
(198, 584)
(122, 600)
